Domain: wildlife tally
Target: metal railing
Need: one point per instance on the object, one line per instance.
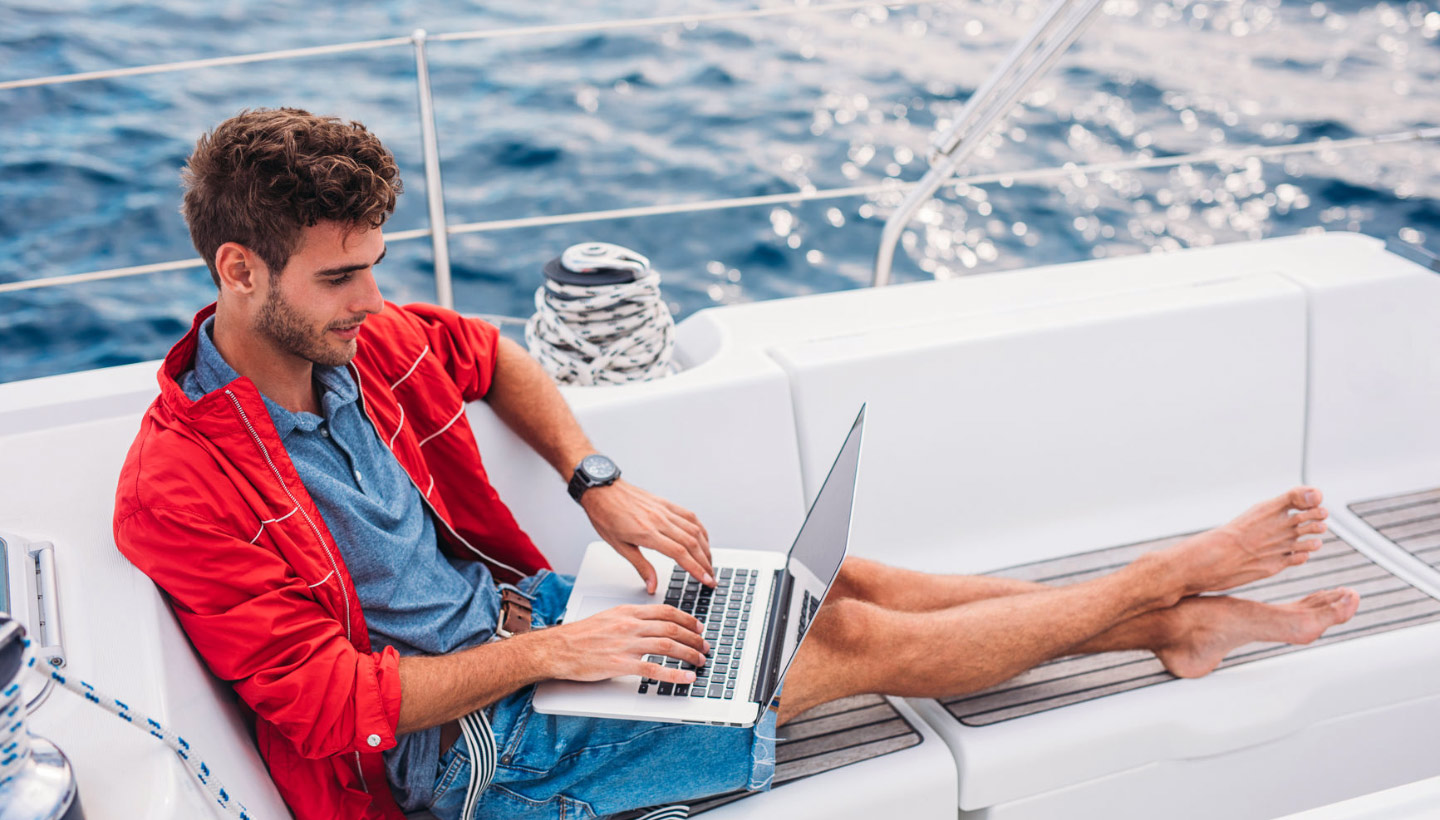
(1050, 36)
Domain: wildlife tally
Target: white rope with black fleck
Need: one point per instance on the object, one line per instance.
(602, 334)
(15, 738)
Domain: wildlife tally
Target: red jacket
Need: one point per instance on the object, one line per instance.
(211, 508)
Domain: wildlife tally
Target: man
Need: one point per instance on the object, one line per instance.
(306, 494)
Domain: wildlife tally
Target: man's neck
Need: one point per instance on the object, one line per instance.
(284, 378)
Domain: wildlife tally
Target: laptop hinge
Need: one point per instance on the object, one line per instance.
(775, 621)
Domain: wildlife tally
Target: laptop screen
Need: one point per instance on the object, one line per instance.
(820, 548)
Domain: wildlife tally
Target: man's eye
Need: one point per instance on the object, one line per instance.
(341, 279)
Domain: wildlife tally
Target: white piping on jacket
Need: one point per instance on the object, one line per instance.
(264, 451)
(446, 427)
(355, 372)
(266, 521)
(398, 427)
(418, 359)
(323, 580)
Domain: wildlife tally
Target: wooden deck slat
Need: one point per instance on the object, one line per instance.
(1386, 602)
(1427, 526)
(1392, 502)
(828, 744)
(795, 770)
(1420, 543)
(1411, 521)
(794, 730)
(1402, 513)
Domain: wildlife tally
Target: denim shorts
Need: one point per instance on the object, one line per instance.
(560, 766)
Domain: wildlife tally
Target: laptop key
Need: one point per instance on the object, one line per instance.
(681, 690)
(665, 688)
(716, 690)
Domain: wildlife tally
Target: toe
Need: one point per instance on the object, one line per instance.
(1303, 498)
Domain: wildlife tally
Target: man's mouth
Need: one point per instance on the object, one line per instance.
(347, 333)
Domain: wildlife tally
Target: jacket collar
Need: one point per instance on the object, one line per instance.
(340, 385)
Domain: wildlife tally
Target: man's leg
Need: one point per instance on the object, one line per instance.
(857, 646)
(1260, 527)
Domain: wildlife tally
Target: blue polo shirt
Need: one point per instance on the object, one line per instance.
(414, 596)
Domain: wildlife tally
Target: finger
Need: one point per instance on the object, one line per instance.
(660, 672)
(1309, 544)
(672, 632)
(1312, 528)
(665, 612)
(677, 551)
(702, 533)
(642, 565)
(1317, 514)
(688, 542)
(674, 649)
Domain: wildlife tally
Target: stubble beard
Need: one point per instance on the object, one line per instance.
(287, 328)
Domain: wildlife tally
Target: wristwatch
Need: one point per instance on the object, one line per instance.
(594, 471)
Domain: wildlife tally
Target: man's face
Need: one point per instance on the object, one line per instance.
(314, 308)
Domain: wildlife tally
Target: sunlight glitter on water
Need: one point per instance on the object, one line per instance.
(569, 123)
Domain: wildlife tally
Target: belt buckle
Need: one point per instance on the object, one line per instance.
(515, 612)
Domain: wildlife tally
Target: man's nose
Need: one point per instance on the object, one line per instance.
(369, 299)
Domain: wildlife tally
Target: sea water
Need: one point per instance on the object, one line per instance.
(561, 123)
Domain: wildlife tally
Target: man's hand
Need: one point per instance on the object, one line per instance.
(628, 518)
(615, 642)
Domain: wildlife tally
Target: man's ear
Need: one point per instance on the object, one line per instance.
(240, 269)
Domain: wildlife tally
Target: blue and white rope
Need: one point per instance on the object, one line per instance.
(602, 334)
(15, 739)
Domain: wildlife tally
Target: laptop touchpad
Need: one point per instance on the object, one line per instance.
(592, 604)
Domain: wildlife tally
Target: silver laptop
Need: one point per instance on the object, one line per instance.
(754, 619)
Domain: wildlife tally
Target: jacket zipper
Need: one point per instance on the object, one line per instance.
(434, 512)
(344, 594)
(340, 579)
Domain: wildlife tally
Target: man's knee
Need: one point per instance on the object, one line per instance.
(845, 626)
(856, 579)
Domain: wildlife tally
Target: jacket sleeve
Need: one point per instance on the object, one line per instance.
(466, 347)
(258, 625)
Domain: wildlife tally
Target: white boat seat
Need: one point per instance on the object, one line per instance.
(1410, 521)
(1386, 602)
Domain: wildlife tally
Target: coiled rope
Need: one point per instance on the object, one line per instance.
(15, 739)
(616, 330)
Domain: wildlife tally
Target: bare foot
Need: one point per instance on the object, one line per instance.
(1208, 628)
(1259, 543)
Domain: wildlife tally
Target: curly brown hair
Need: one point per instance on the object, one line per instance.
(264, 174)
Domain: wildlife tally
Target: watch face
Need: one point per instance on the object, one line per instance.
(598, 468)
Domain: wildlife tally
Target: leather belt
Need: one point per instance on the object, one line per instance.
(515, 610)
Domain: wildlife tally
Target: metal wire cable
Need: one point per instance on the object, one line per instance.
(479, 34)
(1212, 156)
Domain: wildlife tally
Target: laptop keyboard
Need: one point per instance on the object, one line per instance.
(808, 605)
(725, 612)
